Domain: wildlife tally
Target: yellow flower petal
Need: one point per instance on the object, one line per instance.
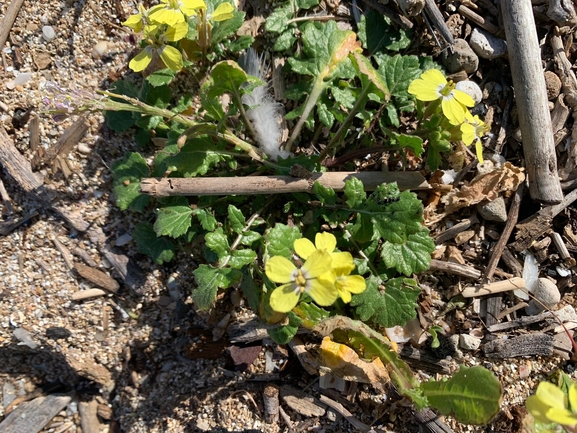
(468, 133)
(223, 12)
(189, 7)
(134, 22)
(322, 294)
(453, 110)
(479, 151)
(141, 60)
(325, 241)
(318, 263)
(537, 408)
(280, 269)
(552, 395)
(428, 86)
(345, 295)
(166, 16)
(304, 248)
(176, 32)
(562, 416)
(284, 298)
(353, 283)
(573, 397)
(171, 57)
(342, 263)
(463, 98)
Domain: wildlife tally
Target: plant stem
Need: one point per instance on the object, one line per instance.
(345, 125)
(312, 99)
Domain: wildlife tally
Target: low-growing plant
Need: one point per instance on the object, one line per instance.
(344, 264)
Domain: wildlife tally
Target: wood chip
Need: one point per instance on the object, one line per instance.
(301, 402)
(32, 417)
(87, 294)
(271, 404)
(524, 345)
(97, 277)
(88, 417)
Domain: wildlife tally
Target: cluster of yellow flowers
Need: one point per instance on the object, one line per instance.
(433, 86)
(324, 276)
(168, 22)
(549, 404)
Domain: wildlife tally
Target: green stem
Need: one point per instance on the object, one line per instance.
(311, 101)
(345, 125)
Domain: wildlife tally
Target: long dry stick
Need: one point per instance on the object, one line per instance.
(531, 99)
(8, 20)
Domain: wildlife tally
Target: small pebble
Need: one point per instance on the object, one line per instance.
(84, 148)
(468, 342)
(553, 84)
(123, 240)
(99, 49)
(10, 85)
(486, 45)
(22, 78)
(493, 210)
(546, 292)
(48, 33)
(462, 58)
(24, 336)
(31, 27)
(470, 88)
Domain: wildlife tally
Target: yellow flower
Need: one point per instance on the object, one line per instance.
(347, 284)
(432, 86)
(172, 12)
(313, 278)
(341, 266)
(223, 12)
(137, 21)
(472, 130)
(325, 242)
(549, 404)
(156, 37)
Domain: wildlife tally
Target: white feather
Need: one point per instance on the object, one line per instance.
(264, 113)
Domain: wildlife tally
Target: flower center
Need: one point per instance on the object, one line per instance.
(447, 89)
(300, 281)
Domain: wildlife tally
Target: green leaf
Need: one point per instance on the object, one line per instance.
(306, 4)
(120, 121)
(285, 40)
(211, 105)
(209, 280)
(310, 314)
(196, 157)
(471, 395)
(412, 256)
(395, 305)
(284, 334)
(371, 80)
(398, 72)
(161, 77)
(158, 249)
(277, 22)
(157, 96)
(127, 174)
(225, 29)
(409, 141)
(354, 192)
(377, 33)
(344, 96)
(250, 289)
(173, 221)
(324, 194)
(236, 219)
(218, 242)
(207, 220)
(228, 77)
(280, 240)
(242, 43)
(240, 258)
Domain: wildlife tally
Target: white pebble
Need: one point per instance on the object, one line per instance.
(486, 45)
(546, 292)
(123, 240)
(470, 88)
(48, 33)
(23, 78)
(10, 85)
(468, 342)
(84, 148)
(99, 49)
